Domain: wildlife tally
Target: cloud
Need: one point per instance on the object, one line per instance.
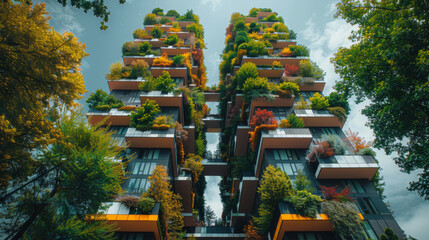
(65, 19)
(214, 3)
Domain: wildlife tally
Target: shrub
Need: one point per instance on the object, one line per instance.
(389, 235)
(240, 25)
(280, 27)
(143, 118)
(144, 47)
(271, 18)
(149, 19)
(338, 100)
(277, 64)
(262, 117)
(318, 102)
(164, 83)
(284, 124)
(302, 183)
(188, 16)
(335, 142)
(199, 145)
(178, 60)
(254, 27)
(173, 13)
(305, 203)
(139, 33)
(324, 150)
(197, 29)
(171, 40)
(146, 204)
(269, 30)
(339, 112)
(333, 193)
(139, 68)
(256, 48)
(299, 51)
(130, 201)
(246, 71)
(164, 122)
(147, 85)
(302, 104)
(345, 219)
(295, 121)
(240, 40)
(100, 100)
(127, 108)
(286, 52)
(165, 20)
(291, 70)
(130, 48)
(291, 86)
(235, 17)
(158, 11)
(292, 34)
(257, 88)
(309, 68)
(162, 61)
(253, 12)
(115, 71)
(157, 32)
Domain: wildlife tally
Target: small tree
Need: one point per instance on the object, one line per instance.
(143, 118)
(319, 102)
(172, 13)
(389, 235)
(171, 40)
(149, 19)
(164, 83)
(305, 203)
(284, 124)
(357, 143)
(257, 88)
(333, 193)
(139, 33)
(302, 183)
(157, 32)
(251, 232)
(290, 86)
(346, 220)
(262, 117)
(210, 216)
(158, 11)
(246, 71)
(295, 121)
(100, 100)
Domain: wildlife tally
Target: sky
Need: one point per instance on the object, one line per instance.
(317, 29)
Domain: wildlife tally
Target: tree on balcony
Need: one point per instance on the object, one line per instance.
(144, 117)
(100, 100)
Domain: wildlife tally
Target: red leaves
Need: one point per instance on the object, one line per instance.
(332, 193)
(324, 150)
(262, 117)
(291, 70)
(357, 142)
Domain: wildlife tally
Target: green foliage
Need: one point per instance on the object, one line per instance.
(301, 183)
(241, 163)
(295, 121)
(318, 102)
(254, 27)
(274, 187)
(199, 145)
(240, 25)
(143, 118)
(246, 71)
(149, 19)
(164, 83)
(157, 32)
(144, 47)
(188, 16)
(256, 48)
(253, 12)
(164, 20)
(146, 204)
(130, 201)
(305, 203)
(388, 235)
(102, 101)
(158, 11)
(172, 39)
(240, 40)
(336, 99)
(309, 68)
(388, 64)
(302, 104)
(345, 219)
(146, 85)
(130, 48)
(339, 112)
(299, 51)
(292, 34)
(291, 86)
(257, 88)
(225, 66)
(236, 17)
(173, 13)
(335, 142)
(178, 60)
(197, 29)
(271, 18)
(280, 27)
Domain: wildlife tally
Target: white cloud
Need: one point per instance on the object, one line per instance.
(214, 3)
(65, 19)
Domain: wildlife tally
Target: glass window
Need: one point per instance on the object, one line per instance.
(276, 155)
(368, 230)
(150, 154)
(371, 205)
(156, 154)
(136, 168)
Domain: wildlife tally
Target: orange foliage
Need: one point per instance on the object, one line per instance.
(180, 151)
(239, 57)
(162, 61)
(205, 109)
(255, 135)
(197, 54)
(286, 52)
(251, 232)
(284, 124)
(262, 117)
(356, 142)
(291, 70)
(324, 150)
(127, 108)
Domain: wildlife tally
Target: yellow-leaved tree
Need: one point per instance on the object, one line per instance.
(39, 71)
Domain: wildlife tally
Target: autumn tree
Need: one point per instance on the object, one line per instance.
(262, 117)
(32, 86)
(171, 206)
(251, 232)
(388, 64)
(358, 143)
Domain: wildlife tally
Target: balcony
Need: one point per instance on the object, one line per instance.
(267, 72)
(156, 43)
(175, 72)
(268, 60)
(164, 28)
(120, 215)
(182, 35)
(173, 51)
(264, 14)
(114, 117)
(124, 84)
(269, 24)
(164, 100)
(184, 24)
(251, 19)
(346, 167)
(280, 44)
(306, 84)
(130, 59)
(279, 101)
(318, 118)
(282, 138)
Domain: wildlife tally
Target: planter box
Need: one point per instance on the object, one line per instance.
(183, 24)
(251, 19)
(156, 43)
(278, 102)
(173, 51)
(266, 60)
(173, 71)
(318, 118)
(114, 117)
(130, 59)
(182, 35)
(165, 100)
(347, 167)
(280, 44)
(124, 84)
(314, 86)
(164, 28)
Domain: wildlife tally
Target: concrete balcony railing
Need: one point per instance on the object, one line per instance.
(318, 118)
(114, 117)
(282, 138)
(173, 51)
(124, 84)
(120, 215)
(268, 60)
(346, 167)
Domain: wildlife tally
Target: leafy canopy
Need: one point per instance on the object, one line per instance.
(389, 65)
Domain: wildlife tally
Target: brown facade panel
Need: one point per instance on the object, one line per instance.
(123, 85)
(241, 145)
